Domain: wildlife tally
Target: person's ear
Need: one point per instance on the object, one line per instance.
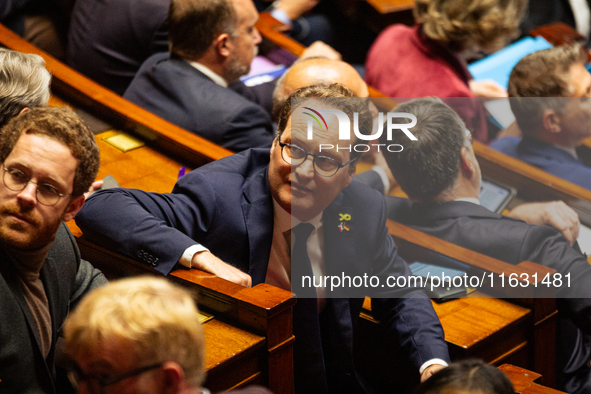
(26, 109)
(468, 167)
(551, 121)
(174, 377)
(73, 208)
(223, 45)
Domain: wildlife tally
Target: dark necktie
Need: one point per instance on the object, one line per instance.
(309, 371)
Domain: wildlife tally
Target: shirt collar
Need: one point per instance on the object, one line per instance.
(286, 222)
(469, 199)
(570, 151)
(209, 73)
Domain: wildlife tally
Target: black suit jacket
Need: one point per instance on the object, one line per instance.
(227, 206)
(178, 92)
(513, 241)
(109, 40)
(65, 278)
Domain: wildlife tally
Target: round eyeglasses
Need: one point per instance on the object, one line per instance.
(16, 180)
(323, 165)
(97, 384)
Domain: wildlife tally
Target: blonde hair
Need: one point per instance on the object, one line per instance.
(156, 317)
(462, 23)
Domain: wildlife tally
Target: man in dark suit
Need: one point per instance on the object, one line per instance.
(549, 93)
(239, 207)
(49, 159)
(440, 174)
(212, 44)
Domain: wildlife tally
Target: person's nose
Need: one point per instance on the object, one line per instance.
(305, 170)
(28, 196)
(257, 36)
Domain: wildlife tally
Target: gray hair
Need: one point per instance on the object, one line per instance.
(24, 83)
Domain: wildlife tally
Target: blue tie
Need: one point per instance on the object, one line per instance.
(309, 371)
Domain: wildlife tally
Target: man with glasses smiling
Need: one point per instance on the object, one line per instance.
(243, 209)
(49, 159)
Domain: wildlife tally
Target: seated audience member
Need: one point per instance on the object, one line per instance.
(212, 44)
(41, 22)
(239, 207)
(138, 335)
(24, 83)
(549, 93)
(429, 59)
(468, 377)
(49, 159)
(440, 174)
(109, 40)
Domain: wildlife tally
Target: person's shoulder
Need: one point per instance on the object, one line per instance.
(245, 162)
(506, 145)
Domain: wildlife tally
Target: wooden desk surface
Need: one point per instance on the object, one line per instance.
(525, 381)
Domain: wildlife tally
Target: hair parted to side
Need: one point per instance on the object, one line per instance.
(429, 166)
(24, 83)
(467, 376)
(335, 95)
(193, 25)
(63, 125)
(463, 23)
(158, 319)
(544, 75)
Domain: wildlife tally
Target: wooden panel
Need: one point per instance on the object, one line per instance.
(233, 357)
(525, 381)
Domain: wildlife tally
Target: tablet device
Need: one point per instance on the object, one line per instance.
(495, 196)
(438, 292)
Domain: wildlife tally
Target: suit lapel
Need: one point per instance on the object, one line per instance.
(258, 218)
(14, 284)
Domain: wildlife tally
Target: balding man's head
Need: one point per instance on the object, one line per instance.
(314, 71)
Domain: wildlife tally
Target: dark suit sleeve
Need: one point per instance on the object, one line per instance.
(406, 312)
(88, 278)
(546, 246)
(371, 179)
(249, 128)
(10, 7)
(151, 228)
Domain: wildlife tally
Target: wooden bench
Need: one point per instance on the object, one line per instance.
(519, 327)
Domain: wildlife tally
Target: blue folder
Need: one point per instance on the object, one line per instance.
(498, 66)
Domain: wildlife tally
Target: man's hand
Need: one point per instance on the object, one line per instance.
(430, 370)
(320, 49)
(487, 88)
(206, 261)
(556, 214)
(94, 187)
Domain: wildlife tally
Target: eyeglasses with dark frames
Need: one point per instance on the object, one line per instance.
(16, 180)
(323, 165)
(77, 376)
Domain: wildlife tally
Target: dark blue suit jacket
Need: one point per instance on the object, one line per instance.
(109, 40)
(513, 241)
(553, 160)
(227, 206)
(178, 92)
